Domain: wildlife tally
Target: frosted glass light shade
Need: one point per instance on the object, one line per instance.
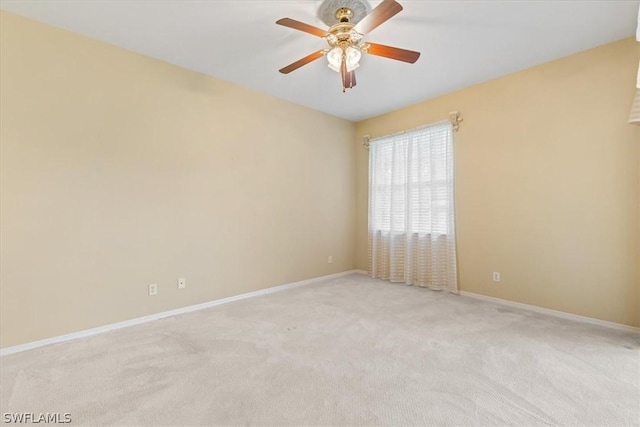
(334, 57)
(353, 58)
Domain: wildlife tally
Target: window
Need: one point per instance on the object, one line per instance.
(411, 208)
(411, 182)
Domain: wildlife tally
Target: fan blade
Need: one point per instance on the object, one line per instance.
(301, 26)
(300, 62)
(385, 11)
(393, 53)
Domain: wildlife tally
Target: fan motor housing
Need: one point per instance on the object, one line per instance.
(342, 31)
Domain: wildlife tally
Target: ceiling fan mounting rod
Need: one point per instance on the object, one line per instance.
(344, 14)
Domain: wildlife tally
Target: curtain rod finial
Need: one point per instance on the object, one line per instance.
(455, 117)
(366, 142)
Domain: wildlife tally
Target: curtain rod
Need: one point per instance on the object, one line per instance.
(455, 117)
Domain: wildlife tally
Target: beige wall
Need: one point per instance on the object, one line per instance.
(119, 171)
(547, 183)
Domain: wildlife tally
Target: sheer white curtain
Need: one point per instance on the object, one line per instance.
(411, 208)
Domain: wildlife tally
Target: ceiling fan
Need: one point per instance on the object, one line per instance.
(345, 41)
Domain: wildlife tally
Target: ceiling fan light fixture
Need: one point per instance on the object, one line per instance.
(334, 57)
(345, 37)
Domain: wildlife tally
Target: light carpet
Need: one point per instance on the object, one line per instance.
(350, 351)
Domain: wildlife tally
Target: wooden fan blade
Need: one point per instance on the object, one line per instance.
(393, 53)
(385, 11)
(300, 62)
(301, 26)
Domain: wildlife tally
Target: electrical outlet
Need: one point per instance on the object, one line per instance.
(330, 260)
(496, 276)
(153, 289)
(182, 283)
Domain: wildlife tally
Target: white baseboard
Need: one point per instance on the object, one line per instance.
(361, 272)
(555, 313)
(137, 321)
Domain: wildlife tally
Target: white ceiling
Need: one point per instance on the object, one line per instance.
(462, 42)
